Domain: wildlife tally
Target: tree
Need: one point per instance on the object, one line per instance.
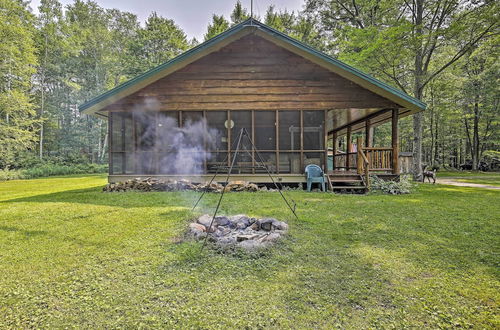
(159, 41)
(300, 28)
(49, 46)
(400, 40)
(480, 97)
(239, 14)
(219, 24)
(17, 60)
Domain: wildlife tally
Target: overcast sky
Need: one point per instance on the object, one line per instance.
(192, 16)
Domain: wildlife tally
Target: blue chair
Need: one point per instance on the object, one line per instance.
(314, 174)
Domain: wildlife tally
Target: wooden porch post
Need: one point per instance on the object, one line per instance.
(110, 146)
(395, 142)
(359, 163)
(325, 142)
(334, 151)
(348, 149)
(368, 133)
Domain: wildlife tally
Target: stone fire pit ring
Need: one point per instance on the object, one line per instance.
(238, 231)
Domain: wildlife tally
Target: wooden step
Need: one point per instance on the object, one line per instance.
(349, 187)
(346, 180)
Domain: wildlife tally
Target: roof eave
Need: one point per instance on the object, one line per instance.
(96, 104)
(251, 26)
(342, 69)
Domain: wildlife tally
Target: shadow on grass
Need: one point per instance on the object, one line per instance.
(95, 196)
(53, 236)
(304, 272)
(27, 233)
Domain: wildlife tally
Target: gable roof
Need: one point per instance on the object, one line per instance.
(236, 32)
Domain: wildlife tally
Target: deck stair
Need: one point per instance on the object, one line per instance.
(347, 183)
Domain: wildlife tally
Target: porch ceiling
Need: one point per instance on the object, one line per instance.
(339, 119)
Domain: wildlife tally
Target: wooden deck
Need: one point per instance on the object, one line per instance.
(255, 178)
(352, 182)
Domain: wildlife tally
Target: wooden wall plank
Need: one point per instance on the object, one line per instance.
(251, 74)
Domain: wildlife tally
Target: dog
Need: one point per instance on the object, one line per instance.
(429, 175)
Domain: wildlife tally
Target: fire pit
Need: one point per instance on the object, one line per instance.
(239, 231)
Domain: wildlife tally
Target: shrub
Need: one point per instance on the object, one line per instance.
(403, 186)
(55, 169)
(10, 175)
(51, 170)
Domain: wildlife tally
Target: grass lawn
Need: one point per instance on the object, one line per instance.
(72, 256)
(467, 174)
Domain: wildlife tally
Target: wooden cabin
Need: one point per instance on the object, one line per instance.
(294, 102)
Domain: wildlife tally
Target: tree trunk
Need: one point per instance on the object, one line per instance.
(42, 101)
(104, 146)
(99, 142)
(475, 135)
(417, 118)
(417, 146)
(432, 136)
(436, 139)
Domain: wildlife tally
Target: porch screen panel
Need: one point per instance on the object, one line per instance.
(166, 131)
(145, 135)
(316, 158)
(265, 138)
(289, 130)
(217, 143)
(191, 117)
(117, 131)
(313, 130)
(191, 151)
(117, 161)
(242, 119)
(289, 141)
(269, 159)
(265, 130)
(117, 143)
(290, 162)
(215, 122)
(129, 143)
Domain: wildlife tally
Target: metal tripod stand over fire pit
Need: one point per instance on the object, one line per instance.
(214, 226)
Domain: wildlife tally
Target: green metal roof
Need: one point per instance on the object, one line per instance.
(252, 23)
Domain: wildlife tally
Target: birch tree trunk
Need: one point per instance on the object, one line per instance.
(417, 118)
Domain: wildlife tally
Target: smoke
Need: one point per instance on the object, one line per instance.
(166, 148)
(187, 146)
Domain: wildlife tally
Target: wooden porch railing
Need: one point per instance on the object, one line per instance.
(363, 164)
(341, 161)
(366, 160)
(380, 159)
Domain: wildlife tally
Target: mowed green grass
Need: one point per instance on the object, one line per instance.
(468, 174)
(72, 256)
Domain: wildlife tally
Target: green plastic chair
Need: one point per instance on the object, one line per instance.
(314, 174)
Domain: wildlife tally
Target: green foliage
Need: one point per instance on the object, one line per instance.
(72, 256)
(50, 169)
(6, 174)
(296, 26)
(60, 58)
(160, 41)
(17, 60)
(82, 52)
(420, 47)
(56, 169)
(239, 14)
(219, 24)
(403, 186)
